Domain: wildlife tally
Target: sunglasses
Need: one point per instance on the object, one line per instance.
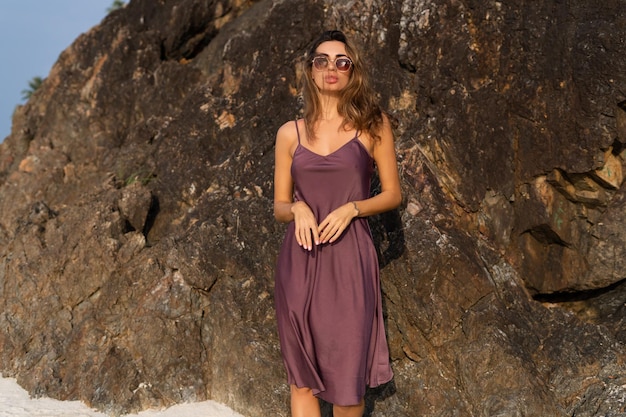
(343, 64)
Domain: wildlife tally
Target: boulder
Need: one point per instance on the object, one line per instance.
(137, 241)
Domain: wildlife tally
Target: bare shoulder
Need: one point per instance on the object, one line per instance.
(287, 136)
(384, 146)
(288, 131)
(386, 125)
(289, 128)
(385, 131)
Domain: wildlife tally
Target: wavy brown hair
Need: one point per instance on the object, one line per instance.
(357, 104)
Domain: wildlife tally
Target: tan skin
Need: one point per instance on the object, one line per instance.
(329, 137)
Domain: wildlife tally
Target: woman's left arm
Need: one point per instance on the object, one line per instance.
(390, 197)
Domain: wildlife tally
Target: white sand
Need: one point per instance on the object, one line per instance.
(15, 402)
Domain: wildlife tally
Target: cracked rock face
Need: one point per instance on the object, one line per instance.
(137, 242)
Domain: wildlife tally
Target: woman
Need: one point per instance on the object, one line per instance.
(328, 300)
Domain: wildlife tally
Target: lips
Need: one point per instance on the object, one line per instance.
(331, 79)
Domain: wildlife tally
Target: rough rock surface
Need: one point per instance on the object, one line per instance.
(137, 243)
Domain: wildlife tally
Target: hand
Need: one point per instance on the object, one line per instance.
(331, 228)
(306, 225)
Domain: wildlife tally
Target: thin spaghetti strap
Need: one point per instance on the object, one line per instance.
(297, 130)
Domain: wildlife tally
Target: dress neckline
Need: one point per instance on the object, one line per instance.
(355, 138)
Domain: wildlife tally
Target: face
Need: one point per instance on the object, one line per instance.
(330, 79)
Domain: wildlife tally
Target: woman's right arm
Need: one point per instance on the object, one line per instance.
(285, 209)
(283, 183)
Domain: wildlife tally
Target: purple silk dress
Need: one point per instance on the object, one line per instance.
(328, 300)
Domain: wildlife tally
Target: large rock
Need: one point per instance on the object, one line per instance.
(137, 243)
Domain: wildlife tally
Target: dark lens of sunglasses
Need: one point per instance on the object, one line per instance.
(343, 64)
(320, 62)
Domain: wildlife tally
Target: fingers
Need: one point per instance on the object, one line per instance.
(306, 236)
(316, 235)
(308, 233)
(306, 230)
(331, 231)
(326, 232)
(333, 226)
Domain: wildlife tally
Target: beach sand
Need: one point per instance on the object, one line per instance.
(15, 402)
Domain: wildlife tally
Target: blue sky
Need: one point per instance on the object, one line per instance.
(33, 33)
